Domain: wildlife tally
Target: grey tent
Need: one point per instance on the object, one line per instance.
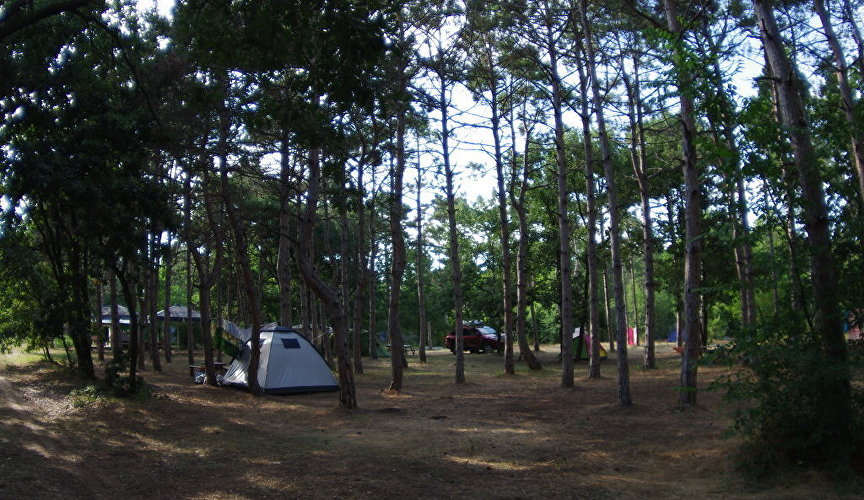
(289, 364)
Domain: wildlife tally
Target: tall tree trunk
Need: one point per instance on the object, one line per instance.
(187, 230)
(129, 296)
(205, 282)
(519, 205)
(610, 329)
(208, 276)
(856, 138)
(639, 158)
(673, 219)
(775, 286)
(836, 394)
(141, 293)
(399, 258)
(504, 228)
(856, 34)
(79, 324)
(693, 223)
(303, 299)
(362, 285)
(100, 350)
(566, 308)
(166, 303)
(114, 332)
(373, 289)
(723, 122)
(152, 288)
(591, 201)
(796, 288)
(343, 289)
(452, 230)
(421, 289)
(330, 297)
(535, 328)
(283, 265)
(624, 398)
(241, 250)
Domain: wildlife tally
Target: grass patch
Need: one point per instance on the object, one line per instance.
(19, 358)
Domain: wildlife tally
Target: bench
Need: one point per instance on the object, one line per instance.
(218, 365)
(406, 348)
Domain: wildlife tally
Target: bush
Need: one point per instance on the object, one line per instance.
(116, 385)
(798, 406)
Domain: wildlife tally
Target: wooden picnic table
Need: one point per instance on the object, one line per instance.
(406, 348)
(220, 366)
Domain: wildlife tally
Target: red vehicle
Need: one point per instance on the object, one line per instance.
(475, 339)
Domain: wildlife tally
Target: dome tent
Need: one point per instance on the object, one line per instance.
(289, 364)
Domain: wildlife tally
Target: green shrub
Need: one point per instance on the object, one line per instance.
(117, 385)
(87, 395)
(797, 406)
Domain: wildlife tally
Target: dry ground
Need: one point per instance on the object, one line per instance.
(493, 437)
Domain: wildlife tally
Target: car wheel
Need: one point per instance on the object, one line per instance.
(487, 348)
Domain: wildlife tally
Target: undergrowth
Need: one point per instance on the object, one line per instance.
(114, 385)
(796, 407)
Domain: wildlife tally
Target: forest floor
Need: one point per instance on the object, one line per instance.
(492, 437)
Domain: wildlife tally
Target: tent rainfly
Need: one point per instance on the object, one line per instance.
(289, 364)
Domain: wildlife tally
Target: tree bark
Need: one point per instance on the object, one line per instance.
(609, 328)
(723, 122)
(187, 229)
(421, 289)
(12, 24)
(283, 271)
(639, 157)
(693, 224)
(241, 250)
(519, 205)
(152, 287)
(566, 308)
(399, 258)
(535, 329)
(591, 202)
(100, 351)
(166, 319)
(856, 138)
(79, 324)
(443, 104)
(827, 318)
(503, 225)
(856, 34)
(205, 282)
(373, 292)
(623, 387)
(333, 303)
(362, 286)
(114, 333)
(129, 296)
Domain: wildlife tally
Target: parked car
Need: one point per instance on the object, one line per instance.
(475, 339)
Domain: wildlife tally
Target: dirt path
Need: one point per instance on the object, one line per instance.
(493, 437)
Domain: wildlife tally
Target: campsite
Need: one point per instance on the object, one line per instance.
(492, 437)
(683, 179)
